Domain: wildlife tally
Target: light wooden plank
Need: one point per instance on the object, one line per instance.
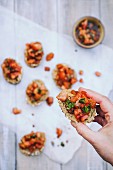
(109, 167)
(79, 161)
(42, 12)
(41, 162)
(9, 4)
(7, 148)
(70, 11)
(107, 19)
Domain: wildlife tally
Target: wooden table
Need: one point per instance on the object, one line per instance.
(57, 15)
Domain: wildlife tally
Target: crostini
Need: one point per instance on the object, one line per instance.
(12, 71)
(36, 92)
(64, 76)
(77, 106)
(32, 144)
(33, 54)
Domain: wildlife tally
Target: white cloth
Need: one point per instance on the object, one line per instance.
(15, 32)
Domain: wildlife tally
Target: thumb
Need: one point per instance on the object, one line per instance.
(85, 132)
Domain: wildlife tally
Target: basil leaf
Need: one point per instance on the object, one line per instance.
(86, 109)
(69, 104)
(33, 136)
(39, 91)
(82, 100)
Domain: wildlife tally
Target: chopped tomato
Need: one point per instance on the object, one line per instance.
(98, 74)
(81, 80)
(58, 132)
(47, 68)
(49, 56)
(16, 111)
(49, 101)
(81, 72)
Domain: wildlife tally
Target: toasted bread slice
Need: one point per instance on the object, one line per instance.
(40, 84)
(36, 50)
(12, 70)
(36, 151)
(67, 95)
(66, 83)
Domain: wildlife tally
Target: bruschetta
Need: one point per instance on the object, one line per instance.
(33, 54)
(36, 92)
(64, 76)
(12, 71)
(32, 144)
(77, 106)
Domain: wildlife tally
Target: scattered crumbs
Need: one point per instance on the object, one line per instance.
(47, 68)
(76, 50)
(32, 114)
(97, 73)
(62, 144)
(33, 125)
(81, 80)
(81, 72)
(67, 141)
(52, 143)
(16, 111)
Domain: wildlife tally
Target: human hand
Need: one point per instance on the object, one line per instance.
(102, 140)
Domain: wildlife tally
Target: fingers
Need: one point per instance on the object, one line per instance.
(105, 104)
(99, 111)
(100, 120)
(85, 132)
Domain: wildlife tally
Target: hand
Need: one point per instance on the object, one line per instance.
(102, 140)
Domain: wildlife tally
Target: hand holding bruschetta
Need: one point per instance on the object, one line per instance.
(102, 140)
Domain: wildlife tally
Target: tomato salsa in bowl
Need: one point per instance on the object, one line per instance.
(88, 32)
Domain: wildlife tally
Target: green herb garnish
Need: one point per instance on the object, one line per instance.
(39, 91)
(62, 144)
(82, 100)
(69, 104)
(86, 109)
(33, 136)
(9, 68)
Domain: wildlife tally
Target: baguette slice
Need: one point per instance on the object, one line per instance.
(65, 95)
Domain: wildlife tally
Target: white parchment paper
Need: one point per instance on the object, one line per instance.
(15, 32)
